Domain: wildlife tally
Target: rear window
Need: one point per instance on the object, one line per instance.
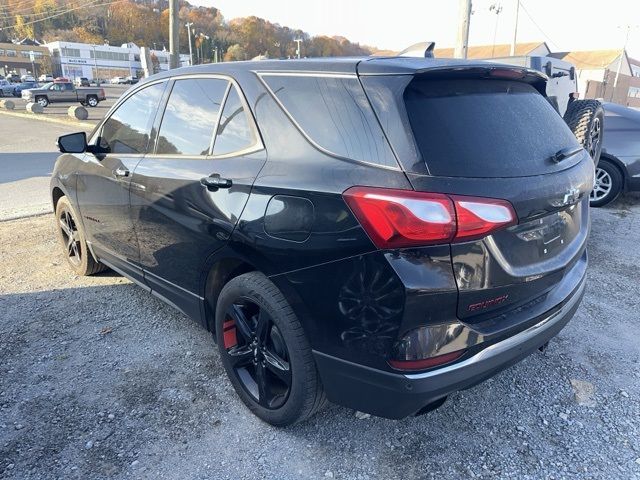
(335, 114)
(486, 128)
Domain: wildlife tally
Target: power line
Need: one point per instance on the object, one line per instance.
(91, 3)
(57, 9)
(536, 24)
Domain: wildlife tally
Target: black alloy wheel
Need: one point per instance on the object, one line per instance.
(258, 353)
(265, 351)
(70, 238)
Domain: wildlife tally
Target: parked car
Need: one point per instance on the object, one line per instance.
(131, 80)
(118, 81)
(82, 82)
(45, 77)
(337, 240)
(20, 87)
(13, 78)
(64, 92)
(6, 88)
(619, 167)
(27, 78)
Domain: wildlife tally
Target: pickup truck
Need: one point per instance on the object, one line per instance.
(64, 92)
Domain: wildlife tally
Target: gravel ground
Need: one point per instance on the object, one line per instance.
(100, 380)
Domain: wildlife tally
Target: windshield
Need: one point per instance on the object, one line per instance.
(486, 128)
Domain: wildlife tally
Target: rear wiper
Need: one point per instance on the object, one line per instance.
(565, 153)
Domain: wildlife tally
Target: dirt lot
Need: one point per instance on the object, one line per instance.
(100, 380)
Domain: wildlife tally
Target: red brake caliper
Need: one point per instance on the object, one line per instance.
(229, 334)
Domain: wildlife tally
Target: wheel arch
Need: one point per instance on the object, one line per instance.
(615, 161)
(219, 272)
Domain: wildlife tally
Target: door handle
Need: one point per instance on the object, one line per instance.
(121, 172)
(214, 182)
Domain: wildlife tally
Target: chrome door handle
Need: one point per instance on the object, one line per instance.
(121, 172)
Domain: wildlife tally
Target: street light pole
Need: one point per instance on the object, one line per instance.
(95, 65)
(298, 42)
(188, 25)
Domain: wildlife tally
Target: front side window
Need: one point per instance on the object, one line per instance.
(190, 117)
(234, 131)
(129, 127)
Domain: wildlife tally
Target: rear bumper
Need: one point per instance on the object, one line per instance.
(394, 395)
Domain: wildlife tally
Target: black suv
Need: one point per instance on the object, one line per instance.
(379, 232)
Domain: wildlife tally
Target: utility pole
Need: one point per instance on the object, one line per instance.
(174, 38)
(515, 31)
(188, 25)
(298, 42)
(462, 41)
(624, 49)
(497, 8)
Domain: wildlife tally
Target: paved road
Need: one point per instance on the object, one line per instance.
(27, 154)
(59, 110)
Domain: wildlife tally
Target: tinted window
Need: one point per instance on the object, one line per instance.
(190, 117)
(335, 114)
(234, 131)
(486, 128)
(127, 130)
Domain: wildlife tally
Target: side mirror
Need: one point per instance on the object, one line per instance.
(73, 143)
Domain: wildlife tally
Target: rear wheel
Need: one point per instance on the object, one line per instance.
(608, 184)
(92, 101)
(265, 352)
(72, 239)
(586, 119)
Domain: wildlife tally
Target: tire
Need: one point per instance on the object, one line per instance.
(609, 182)
(92, 101)
(586, 120)
(42, 101)
(74, 246)
(252, 316)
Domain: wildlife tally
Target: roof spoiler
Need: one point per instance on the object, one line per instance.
(420, 49)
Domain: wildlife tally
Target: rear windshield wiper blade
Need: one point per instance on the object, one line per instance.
(565, 153)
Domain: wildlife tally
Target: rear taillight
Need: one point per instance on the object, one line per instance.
(405, 218)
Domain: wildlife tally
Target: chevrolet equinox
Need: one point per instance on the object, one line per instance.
(376, 232)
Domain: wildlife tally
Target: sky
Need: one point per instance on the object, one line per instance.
(396, 24)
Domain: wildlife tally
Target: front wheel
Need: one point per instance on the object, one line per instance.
(42, 101)
(73, 240)
(265, 352)
(92, 101)
(608, 184)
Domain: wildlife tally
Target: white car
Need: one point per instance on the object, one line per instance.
(27, 78)
(118, 80)
(45, 77)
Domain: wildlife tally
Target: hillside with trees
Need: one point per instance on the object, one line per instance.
(146, 23)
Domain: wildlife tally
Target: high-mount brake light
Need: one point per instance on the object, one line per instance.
(507, 73)
(405, 218)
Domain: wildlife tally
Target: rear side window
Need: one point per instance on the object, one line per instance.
(335, 114)
(128, 129)
(486, 128)
(234, 131)
(190, 116)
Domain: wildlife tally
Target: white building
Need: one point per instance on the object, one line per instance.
(74, 60)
